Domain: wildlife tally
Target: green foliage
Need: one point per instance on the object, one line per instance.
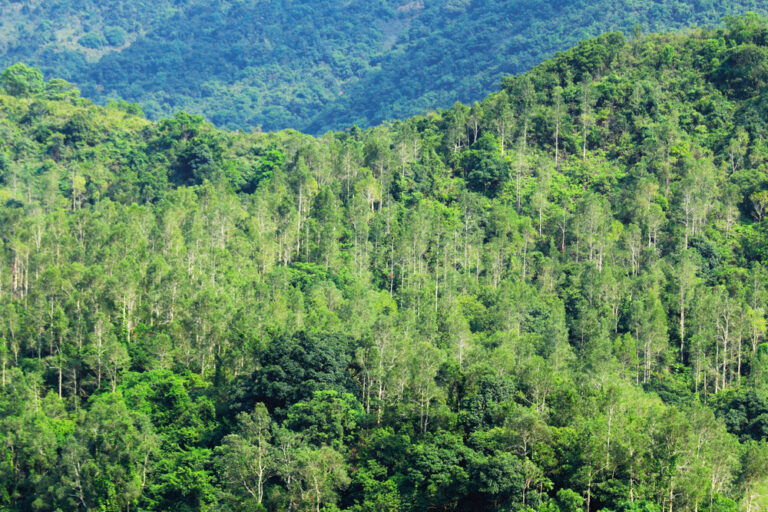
(372, 491)
(744, 72)
(569, 501)
(316, 66)
(745, 413)
(294, 368)
(115, 36)
(92, 41)
(554, 299)
(165, 398)
(484, 169)
(21, 80)
(326, 419)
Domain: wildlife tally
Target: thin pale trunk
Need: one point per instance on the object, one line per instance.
(520, 163)
(682, 324)
(557, 141)
(60, 370)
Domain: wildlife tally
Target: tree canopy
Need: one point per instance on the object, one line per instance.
(551, 300)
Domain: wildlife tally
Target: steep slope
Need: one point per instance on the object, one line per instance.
(76, 33)
(242, 63)
(314, 65)
(462, 54)
(553, 300)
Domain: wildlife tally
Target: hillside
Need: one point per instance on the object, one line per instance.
(314, 66)
(552, 300)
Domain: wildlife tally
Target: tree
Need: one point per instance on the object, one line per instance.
(503, 118)
(246, 460)
(686, 282)
(759, 203)
(423, 366)
(107, 461)
(323, 474)
(21, 80)
(294, 368)
(375, 492)
(649, 325)
(483, 167)
(557, 99)
(328, 419)
(744, 70)
(754, 477)
(586, 101)
(436, 474)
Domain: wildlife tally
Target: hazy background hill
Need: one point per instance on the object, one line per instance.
(314, 65)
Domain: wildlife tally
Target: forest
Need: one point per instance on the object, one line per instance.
(315, 65)
(550, 300)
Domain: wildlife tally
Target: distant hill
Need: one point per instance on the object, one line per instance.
(314, 65)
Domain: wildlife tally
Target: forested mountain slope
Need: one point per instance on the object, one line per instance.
(312, 65)
(553, 300)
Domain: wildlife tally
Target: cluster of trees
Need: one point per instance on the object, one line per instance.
(460, 50)
(553, 300)
(313, 65)
(243, 64)
(79, 31)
